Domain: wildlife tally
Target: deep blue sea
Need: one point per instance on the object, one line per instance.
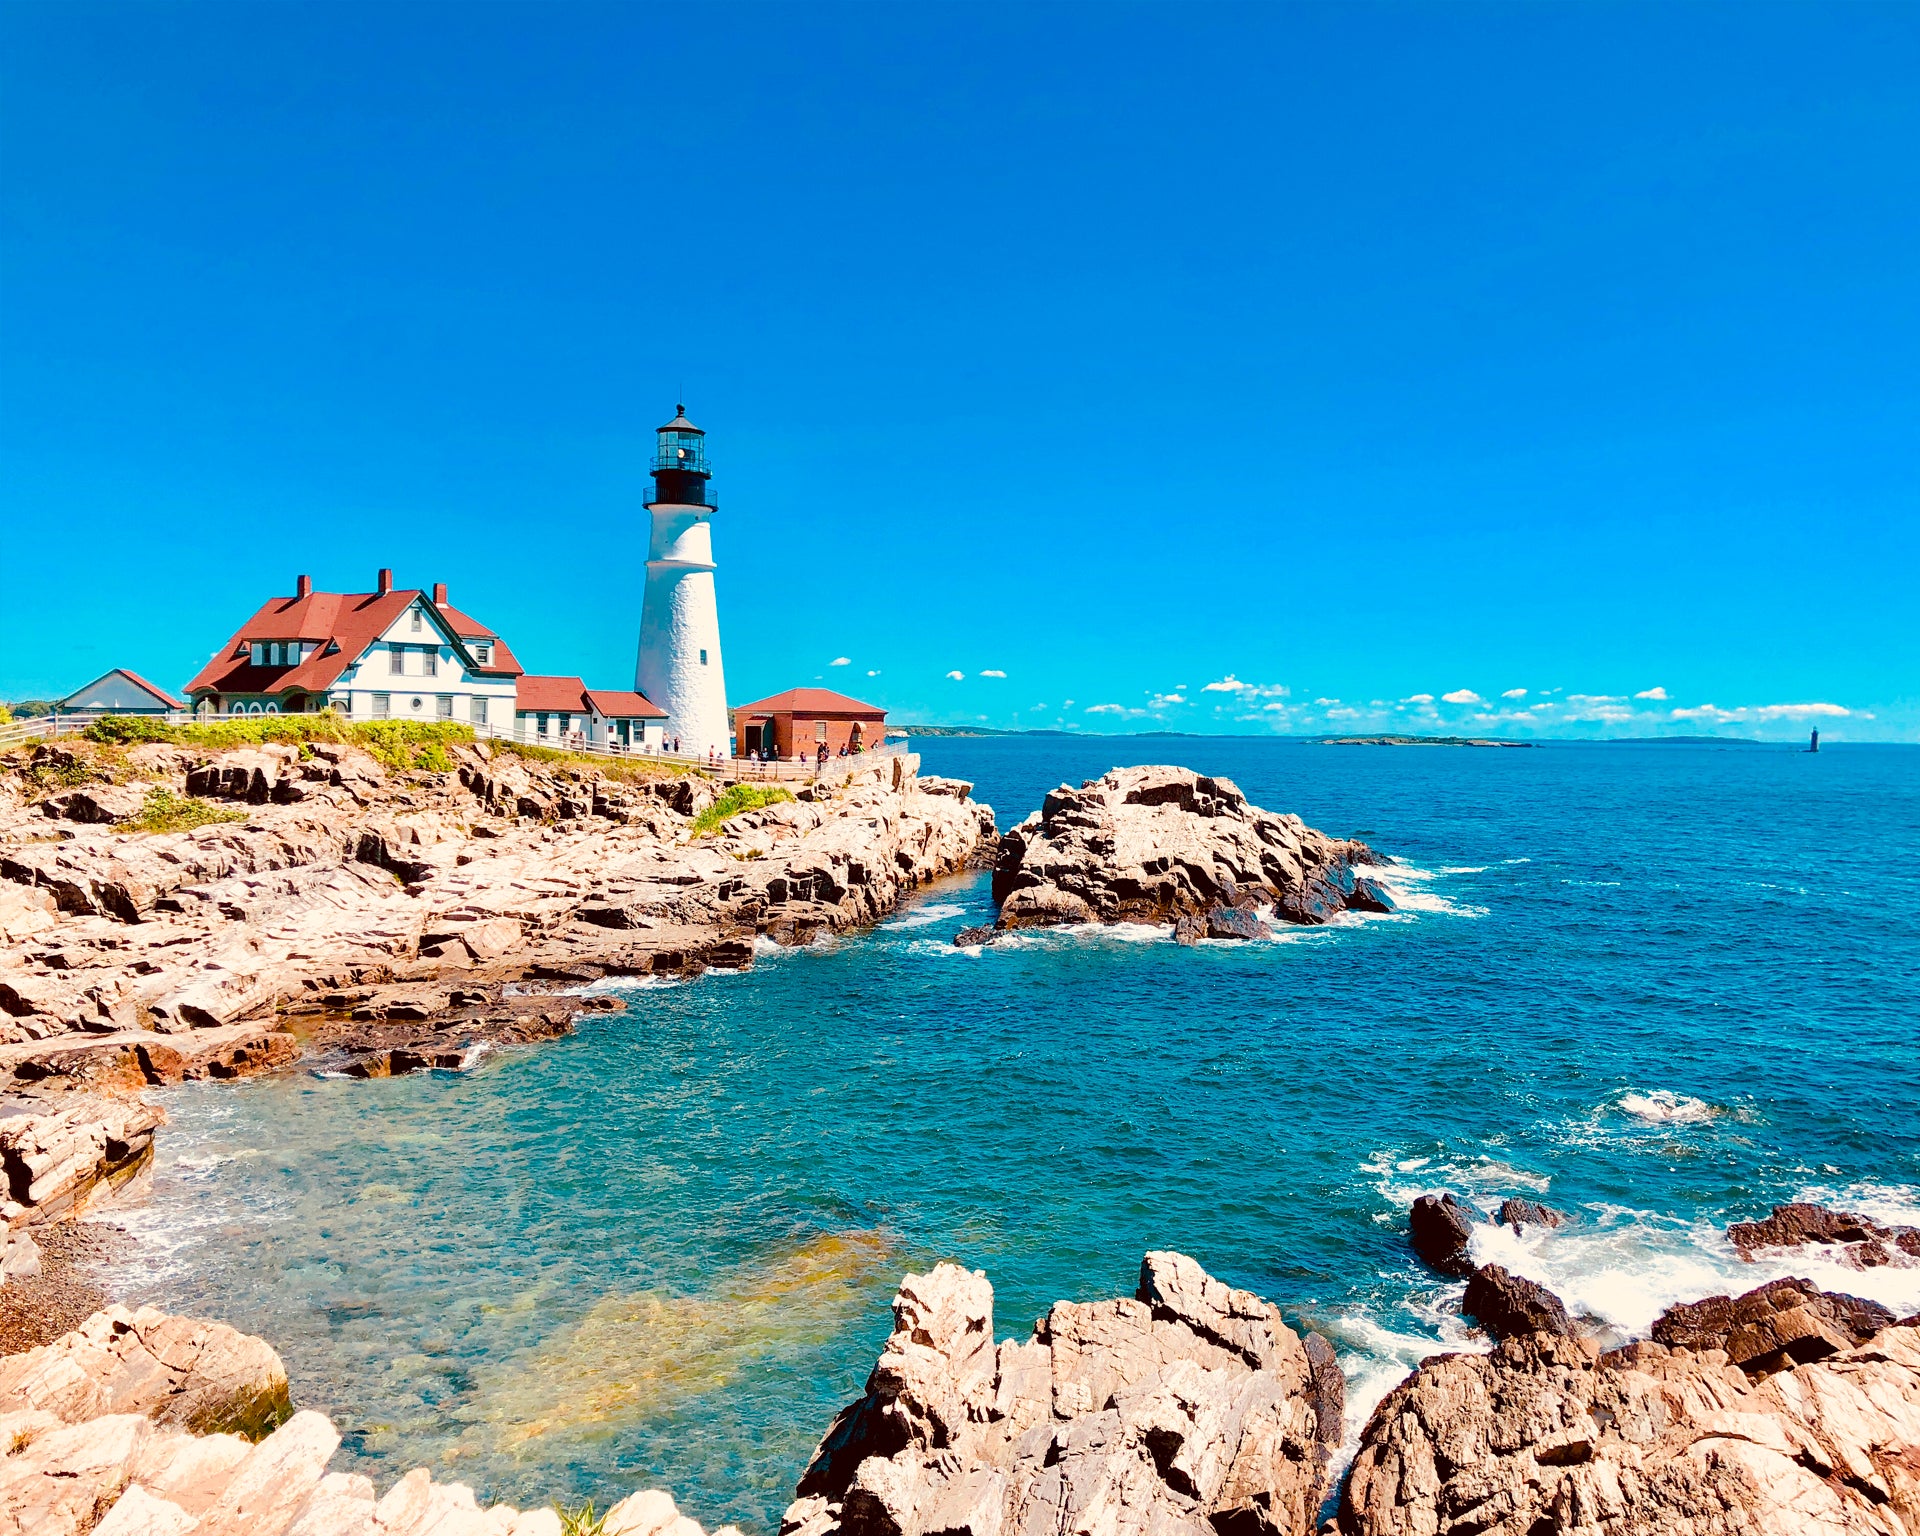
(1660, 987)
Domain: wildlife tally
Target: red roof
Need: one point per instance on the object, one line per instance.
(616, 705)
(159, 693)
(810, 702)
(556, 695)
(571, 696)
(342, 626)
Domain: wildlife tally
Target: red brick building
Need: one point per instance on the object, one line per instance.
(802, 718)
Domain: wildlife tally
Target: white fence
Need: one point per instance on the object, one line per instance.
(810, 771)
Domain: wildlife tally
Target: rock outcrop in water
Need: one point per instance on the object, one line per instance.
(391, 901)
(1857, 1241)
(1186, 1408)
(1167, 845)
(1547, 1436)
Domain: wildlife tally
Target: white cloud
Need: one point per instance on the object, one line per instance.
(1418, 698)
(1323, 703)
(873, 671)
(1107, 709)
(1463, 696)
(841, 661)
(956, 676)
(1709, 712)
(1659, 695)
(1162, 700)
(1799, 711)
(1271, 707)
(993, 672)
(1068, 704)
(1037, 708)
(1596, 698)
(1227, 684)
(1514, 693)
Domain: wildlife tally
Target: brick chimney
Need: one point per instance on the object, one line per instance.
(439, 594)
(385, 583)
(303, 586)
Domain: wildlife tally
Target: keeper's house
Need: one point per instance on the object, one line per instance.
(399, 654)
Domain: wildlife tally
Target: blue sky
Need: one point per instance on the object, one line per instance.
(1191, 366)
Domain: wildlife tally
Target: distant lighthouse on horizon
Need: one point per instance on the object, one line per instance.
(679, 665)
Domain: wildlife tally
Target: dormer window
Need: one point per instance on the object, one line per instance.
(258, 653)
(483, 652)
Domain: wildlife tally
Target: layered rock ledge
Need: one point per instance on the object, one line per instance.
(365, 905)
(1167, 845)
(1188, 1407)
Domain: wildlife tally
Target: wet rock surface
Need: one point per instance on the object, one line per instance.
(1167, 845)
(1773, 1327)
(1441, 1228)
(1508, 1305)
(1863, 1243)
(1188, 1407)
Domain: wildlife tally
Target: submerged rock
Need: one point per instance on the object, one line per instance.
(1188, 1409)
(1527, 1213)
(1547, 1437)
(1167, 845)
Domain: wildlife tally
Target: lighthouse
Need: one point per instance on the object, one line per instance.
(679, 666)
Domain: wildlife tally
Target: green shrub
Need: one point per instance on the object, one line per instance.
(400, 744)
(167, 812)
(582, 1521)
(628, 770)
(737, 799)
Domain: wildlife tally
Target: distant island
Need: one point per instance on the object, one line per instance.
(1419, 741)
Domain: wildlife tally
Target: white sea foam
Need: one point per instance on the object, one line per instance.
(1464, 869)
(1376, 1357)
(1892, 1205)
(1409, 886)
(1488, 1180)
(1661, 1106)
(1625, 1267)
(924, 916)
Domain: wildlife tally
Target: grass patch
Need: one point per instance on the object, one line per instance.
(167, 812)
(627, 770)
(400, 744)
(582, 1521)
(738, 798)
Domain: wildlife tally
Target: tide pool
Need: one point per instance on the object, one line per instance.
(1658, 987)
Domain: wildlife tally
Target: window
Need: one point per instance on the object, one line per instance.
(478, 709)
(397, 660)
(382, 705)
(429, 661)
(820, 730)
(483, 653)
(259, 653)
(418, 703)
(446, 706)
(418, 622)
(703, 656)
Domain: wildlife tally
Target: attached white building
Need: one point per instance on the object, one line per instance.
(562, 711)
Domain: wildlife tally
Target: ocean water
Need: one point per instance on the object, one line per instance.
(1658, 987)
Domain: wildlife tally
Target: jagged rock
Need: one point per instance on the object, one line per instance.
(1235, 923)
(984, 933)
(1156, 844)
(1369, 896)
(1507, 1305)
(57, 1163)
(1441, 1228)
(98, 803)
(1863, 1243)
(1546, 1437)
(1773, 1327)
(1187, 1408)
(1522, 1213)
(198, 1375)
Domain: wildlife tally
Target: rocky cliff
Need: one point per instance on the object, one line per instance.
(1167, 845)
(350, 893)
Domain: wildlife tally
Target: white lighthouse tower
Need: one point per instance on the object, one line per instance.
(679, 667)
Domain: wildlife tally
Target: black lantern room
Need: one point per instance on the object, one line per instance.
(680, 464)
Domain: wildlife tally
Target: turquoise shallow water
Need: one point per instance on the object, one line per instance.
(1661, 987)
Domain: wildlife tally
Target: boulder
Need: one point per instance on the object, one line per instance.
(180, 1371)
(1773, 1327)
(1545, 1436)
(1188, 1409)
(1235, 923)
(98, 804)
(1507, 1305)
(1863, 1243)
(1158, 844)
(1441, 1227)
(1526, 1213)
(984, 933)
(58, 1163)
